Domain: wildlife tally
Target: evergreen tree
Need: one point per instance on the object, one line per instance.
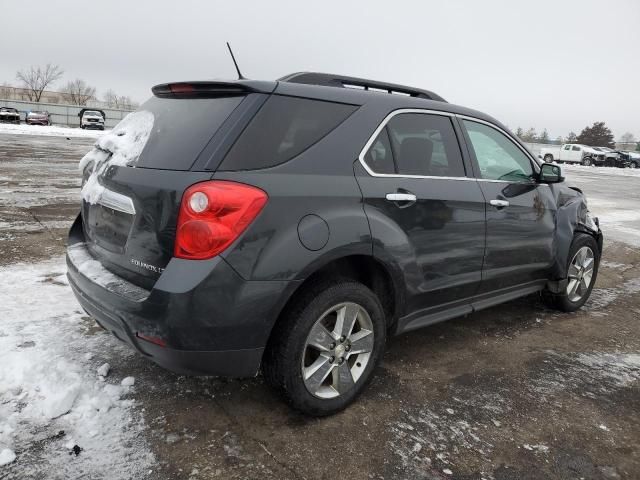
(597, 135)
(571, 138)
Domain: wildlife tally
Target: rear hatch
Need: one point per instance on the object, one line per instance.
(134, 177)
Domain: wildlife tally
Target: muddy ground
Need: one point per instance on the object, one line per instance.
(514, 392)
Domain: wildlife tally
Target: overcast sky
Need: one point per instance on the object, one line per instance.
(554, 64)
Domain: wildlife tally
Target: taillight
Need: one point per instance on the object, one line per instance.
(212, 215)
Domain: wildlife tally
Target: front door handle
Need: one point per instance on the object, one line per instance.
(401, 197)
(499, 203)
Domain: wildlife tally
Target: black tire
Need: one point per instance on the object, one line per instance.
(586, 161)
(634, 164)
(561, 301)
(283, 358)
(548, 158)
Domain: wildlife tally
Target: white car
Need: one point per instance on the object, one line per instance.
(572, 153)
(92, 119)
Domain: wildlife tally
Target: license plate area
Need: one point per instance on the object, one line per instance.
(108, 228)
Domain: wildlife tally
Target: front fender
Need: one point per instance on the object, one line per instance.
(571, 218)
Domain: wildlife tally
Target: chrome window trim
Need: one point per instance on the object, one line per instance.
(400, 111)
(382, 125)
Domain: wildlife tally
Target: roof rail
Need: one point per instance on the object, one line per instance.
(341, 81)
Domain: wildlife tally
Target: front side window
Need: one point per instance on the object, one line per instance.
(567, 147)
(497, 156)
(417, 144)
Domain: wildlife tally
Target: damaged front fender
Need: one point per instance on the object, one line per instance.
(572, 216)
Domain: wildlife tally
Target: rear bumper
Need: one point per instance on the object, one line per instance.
(211, 320)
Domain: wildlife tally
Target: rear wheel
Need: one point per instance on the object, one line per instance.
(586, 161)
(634, 164)
(582, 270)
(324, 350)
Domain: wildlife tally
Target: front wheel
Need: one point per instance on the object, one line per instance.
(582, 271)
(548, 158)
(324, 350)
(634, 164)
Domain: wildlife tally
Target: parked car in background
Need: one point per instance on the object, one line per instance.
(92, 119)
(633, 159)
(572, 153)
(228, 227)
(38, 117)
(9, 115)
(613, 158)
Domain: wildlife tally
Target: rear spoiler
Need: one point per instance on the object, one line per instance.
(211, 89)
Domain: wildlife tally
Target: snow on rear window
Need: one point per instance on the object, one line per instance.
(122, 146)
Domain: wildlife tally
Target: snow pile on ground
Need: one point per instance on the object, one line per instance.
(49, 131)
(58, 418)
(618, 172)
(122, 146)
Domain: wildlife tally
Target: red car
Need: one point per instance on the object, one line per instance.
(38, 118)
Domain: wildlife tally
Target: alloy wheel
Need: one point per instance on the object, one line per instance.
(337, 350)
(580, 274)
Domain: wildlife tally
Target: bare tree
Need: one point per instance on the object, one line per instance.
(78, 92)
(119, 101)
(572, 137)
(37, 79)
(628, 137)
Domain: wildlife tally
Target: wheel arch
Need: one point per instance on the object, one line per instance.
(365, 269)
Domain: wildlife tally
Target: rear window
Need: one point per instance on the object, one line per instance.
(282, 129)
(181, 129)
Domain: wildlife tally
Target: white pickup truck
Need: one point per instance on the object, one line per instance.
(572, 153)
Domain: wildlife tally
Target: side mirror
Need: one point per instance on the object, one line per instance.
(550, 173)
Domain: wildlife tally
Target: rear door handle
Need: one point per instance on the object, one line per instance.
(401, 197)
(499, 203)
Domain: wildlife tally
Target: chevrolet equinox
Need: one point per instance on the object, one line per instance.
(291, 226)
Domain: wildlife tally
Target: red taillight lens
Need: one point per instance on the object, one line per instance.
(212, 215)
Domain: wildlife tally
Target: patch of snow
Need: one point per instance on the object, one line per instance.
(539, 448)
(7, 456)
(50, 387)
(103, 370)
(128, 381)
(603, 427)
(446, 471)
(122, 146)
(49, 131)
(601, 171)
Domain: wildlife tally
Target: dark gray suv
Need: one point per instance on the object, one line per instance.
(292, 226)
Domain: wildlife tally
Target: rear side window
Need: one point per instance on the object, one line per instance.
(380, 157)
(282, 129)
(420, 144)
(182, 128)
